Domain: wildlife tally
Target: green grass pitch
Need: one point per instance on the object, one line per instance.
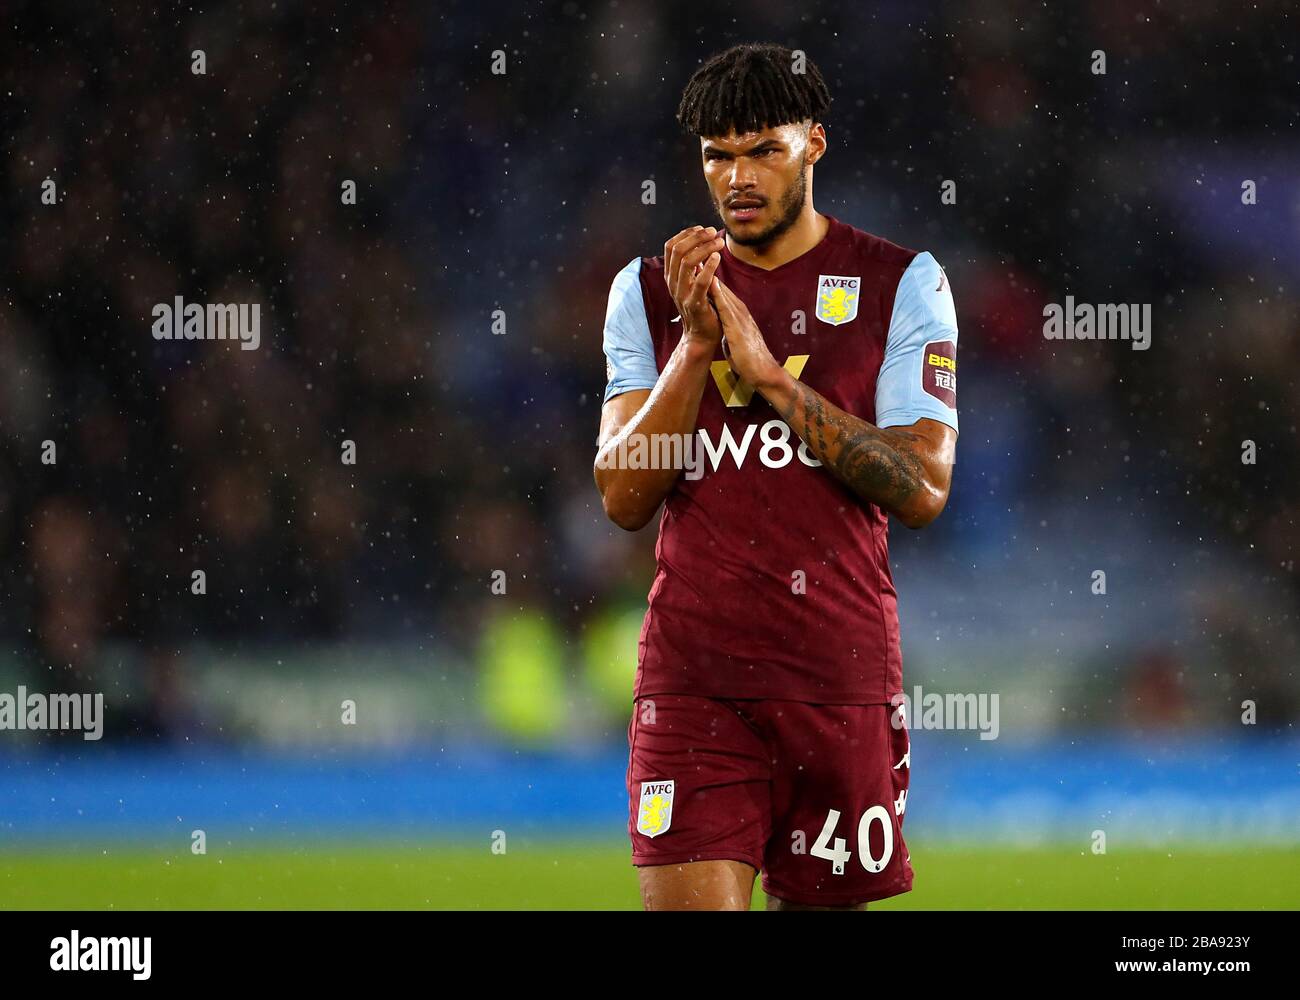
(565, 875)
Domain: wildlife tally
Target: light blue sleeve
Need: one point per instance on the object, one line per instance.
(629, 351)
(918, 377)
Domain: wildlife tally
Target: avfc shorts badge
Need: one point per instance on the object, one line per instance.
(837, 298)
(656, 812)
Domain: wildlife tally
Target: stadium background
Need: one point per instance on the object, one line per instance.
(480, 714)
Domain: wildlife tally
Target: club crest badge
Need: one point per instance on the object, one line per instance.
(837, 298)
(656, 811)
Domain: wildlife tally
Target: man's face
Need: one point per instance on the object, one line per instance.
(758, 180)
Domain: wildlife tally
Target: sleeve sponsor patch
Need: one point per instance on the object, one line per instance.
(939, 372)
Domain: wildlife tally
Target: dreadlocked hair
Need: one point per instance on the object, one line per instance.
(751, 87)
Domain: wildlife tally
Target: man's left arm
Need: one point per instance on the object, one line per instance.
(904, 468)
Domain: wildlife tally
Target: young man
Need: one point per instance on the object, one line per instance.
(762, 735)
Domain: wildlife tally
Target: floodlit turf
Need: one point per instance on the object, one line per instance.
(567, 875)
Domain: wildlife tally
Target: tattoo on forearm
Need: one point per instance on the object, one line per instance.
(860, 455)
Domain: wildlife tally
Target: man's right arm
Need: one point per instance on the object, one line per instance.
(631, 496)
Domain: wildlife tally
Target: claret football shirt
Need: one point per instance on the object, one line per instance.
(773, 578)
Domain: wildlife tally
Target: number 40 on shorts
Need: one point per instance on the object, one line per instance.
(838, 854)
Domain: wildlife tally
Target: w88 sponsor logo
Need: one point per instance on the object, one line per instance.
(775, 448)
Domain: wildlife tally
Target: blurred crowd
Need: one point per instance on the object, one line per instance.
(448, 324)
